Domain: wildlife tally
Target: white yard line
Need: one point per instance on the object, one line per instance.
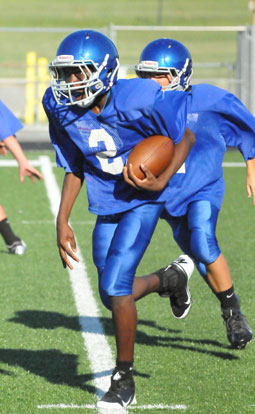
(13, 163)
(131, 407)
(36, 163)
(234, 164)
(43, 222)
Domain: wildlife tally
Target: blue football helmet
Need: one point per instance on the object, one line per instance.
(94, 57)
(166, 56)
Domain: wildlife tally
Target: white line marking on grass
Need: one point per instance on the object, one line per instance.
(13, 163)
(43, 222)
(234, 164)
(99, 352)
(131, 407)
(36, 163)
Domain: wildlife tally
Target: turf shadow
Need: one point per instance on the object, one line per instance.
(4, 252)
(37, 319)
(51, 320)
(176, 342)
(53, 365)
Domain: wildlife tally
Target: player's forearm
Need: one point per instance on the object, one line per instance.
(250, 179)
(181, 152)
(71, 188)
(250, 166)
(16, 150)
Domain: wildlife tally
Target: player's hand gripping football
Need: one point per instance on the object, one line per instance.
(66, 244)
(149, 183)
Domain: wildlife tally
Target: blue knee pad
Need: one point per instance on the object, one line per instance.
(202, 220)
(195, 233)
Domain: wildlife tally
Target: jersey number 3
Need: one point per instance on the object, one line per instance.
(108, 164)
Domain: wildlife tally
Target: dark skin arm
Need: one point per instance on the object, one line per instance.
(65, 237)
(150, 182)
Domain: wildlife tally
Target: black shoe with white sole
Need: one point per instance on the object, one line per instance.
(174, 284)
(18, 247)
(121, 392)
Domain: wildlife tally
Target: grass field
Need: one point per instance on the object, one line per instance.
(64, 13)
(180, 366)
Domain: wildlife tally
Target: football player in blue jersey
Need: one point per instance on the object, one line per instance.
(195, 193)
(94, 122)
(9, 125)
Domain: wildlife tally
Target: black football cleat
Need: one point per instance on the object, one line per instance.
(121, 393)
(239, 333)
(18, 247)
(174, 284)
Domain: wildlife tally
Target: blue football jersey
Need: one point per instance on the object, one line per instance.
(218, 119)
(99, 144)
(9, 124)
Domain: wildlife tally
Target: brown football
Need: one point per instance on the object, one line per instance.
(155, 152)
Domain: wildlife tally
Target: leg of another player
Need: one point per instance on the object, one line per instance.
(2, 213)
(202, 223)
(219, 279)
(218, 274)
(238, 331)
(14, 244)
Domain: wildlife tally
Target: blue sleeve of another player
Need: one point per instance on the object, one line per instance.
(9, 124)
(170, 114)
(238, 126)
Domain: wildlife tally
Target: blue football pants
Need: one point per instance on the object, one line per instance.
(119, 242)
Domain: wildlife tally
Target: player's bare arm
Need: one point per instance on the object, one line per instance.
(3, 149)
(25, 169)
(65, 236)
(250, 179)
(150, 182)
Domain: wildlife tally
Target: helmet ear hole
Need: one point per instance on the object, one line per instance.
(166, 56)
(173, 72)
(109, 73)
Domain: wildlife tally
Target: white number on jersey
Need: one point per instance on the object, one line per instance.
(110, 166)
(182, 169)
